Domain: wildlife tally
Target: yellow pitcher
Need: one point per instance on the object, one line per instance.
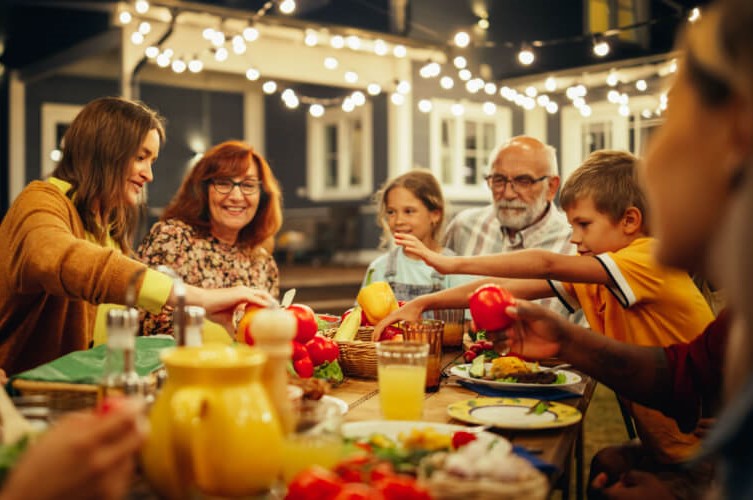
(213, 427)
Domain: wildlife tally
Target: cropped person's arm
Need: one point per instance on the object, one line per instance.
(639, 373)
(522, 264)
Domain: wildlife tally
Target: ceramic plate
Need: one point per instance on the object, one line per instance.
(514, 413)
(339, 402)
(462, 372)
(392, 428)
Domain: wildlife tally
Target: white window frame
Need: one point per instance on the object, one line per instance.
(53, 114)
(316, 165)
(572, 125)
(573, 122)
(442, 109)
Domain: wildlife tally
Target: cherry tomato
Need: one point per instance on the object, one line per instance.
(314, 483)
(381, 471)
(322, 349)
(390, 333)
(461, 438)
(469, 356)
(306, 322)
(401, 487)
(299, 351)
(359, 491)
(488, 306)
(304, 367)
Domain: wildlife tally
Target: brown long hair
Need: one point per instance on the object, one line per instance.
(98, 149)
(228, 159)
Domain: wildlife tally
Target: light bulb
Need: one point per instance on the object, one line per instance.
(269, 87)
(424, 105)
(287, 6)
(380, 47)
(316, 110)
(601, 47)
(446, 82)
(195, 66)
(460, 62)
(462, 39)
(253, 74)
(526, 56)
(373, 89)
(550, 84)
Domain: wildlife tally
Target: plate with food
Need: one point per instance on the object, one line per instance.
(515, 413)
(513, 374)
(405, 443)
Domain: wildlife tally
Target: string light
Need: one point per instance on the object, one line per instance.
(526, 55)
(287, 6)
(601, 46)
(462, 39)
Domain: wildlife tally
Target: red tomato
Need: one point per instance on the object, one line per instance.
(243, 331)
(461, 438)
(488, 304)
(306, 319)
(318, 349)
(314, 483)
(381, 471)
(358, 491)
(304, 367)
(390, 333)
(469, 356)
(401, 487)
(299, 351)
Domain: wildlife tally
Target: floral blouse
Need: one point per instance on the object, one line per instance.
(205, 262)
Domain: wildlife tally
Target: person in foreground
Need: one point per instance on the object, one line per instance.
(84, 455)
(614, 280)
(212, 232)
(66, 240)
(411, 203)
(699, 181)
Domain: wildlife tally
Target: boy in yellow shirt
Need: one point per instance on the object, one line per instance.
(615, 280)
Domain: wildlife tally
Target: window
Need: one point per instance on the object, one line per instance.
(460, 145)
(55, 121)
(340, 154)
(603, 15)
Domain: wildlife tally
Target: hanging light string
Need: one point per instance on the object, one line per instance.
(527, 98)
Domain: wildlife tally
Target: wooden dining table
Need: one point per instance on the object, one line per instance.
(561, 446)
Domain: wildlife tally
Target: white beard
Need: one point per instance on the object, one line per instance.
(516, 215)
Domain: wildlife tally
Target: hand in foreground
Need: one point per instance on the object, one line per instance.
(221, 304)
(84, 455)
(413, 246)
(411, 311)
(537, 333)
(632, 484)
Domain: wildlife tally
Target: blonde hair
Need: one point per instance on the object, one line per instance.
(609, 178)
(424, 186)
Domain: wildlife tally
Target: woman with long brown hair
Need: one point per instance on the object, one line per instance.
(212, 232)
(65, 241)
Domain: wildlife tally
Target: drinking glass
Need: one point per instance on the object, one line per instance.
(428, 331)
(454, 326)
(401, 368)
(316, 438)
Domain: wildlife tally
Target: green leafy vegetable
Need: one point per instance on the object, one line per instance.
(330, 371)
(9, 455)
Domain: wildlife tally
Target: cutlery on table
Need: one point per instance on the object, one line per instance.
(287, 298)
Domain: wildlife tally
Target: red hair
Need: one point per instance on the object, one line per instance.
(228, 159)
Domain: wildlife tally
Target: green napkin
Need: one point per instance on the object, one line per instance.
(85, 367)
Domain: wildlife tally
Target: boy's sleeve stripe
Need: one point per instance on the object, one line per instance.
(619, 285)
(571, 303)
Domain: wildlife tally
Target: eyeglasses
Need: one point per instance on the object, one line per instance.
(521, 182)
(225, 186)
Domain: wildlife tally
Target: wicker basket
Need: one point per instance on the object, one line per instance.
(357, 357)
(64, 397)
(61, 397)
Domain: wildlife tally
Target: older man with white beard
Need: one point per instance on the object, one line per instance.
(524, 180)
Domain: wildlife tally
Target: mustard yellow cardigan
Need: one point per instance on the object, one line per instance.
(52, 278)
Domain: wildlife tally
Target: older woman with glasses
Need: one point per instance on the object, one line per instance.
(212, 233)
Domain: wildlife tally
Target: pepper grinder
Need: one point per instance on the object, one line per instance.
(274, 330)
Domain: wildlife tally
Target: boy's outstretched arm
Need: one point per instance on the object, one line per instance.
(525, 264)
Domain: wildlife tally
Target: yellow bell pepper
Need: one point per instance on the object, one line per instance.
(377, 300)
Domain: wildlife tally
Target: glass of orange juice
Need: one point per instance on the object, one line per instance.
(316, 438)
(401, 369)
(454, 326)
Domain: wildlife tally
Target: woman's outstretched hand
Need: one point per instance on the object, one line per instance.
(222, 304)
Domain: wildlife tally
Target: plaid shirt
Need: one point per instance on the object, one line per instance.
(476, 231)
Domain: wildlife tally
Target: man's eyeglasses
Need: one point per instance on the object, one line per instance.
(519, 183)
(224, 186)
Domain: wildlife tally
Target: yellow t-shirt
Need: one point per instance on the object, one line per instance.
(645, 304)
